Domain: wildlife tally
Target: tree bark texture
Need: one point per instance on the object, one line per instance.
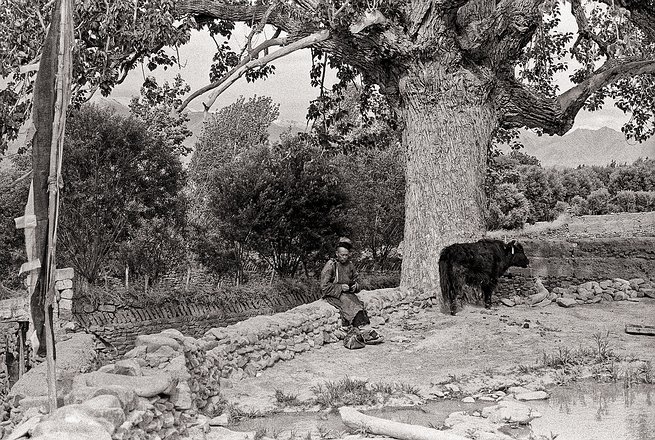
(449, 123)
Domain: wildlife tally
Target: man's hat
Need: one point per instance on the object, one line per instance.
(345, 242)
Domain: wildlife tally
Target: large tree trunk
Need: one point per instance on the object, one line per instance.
(448, 125)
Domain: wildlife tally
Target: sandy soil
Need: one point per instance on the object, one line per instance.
(425, 347)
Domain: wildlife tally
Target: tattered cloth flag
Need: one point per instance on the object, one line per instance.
(50, 103)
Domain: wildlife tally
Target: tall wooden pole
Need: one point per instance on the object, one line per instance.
(62, 84)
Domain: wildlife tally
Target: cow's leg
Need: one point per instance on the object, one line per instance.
(487, 290)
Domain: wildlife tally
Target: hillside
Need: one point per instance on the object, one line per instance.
(586, 147)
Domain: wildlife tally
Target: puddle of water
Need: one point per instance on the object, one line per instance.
(583, 411)
(283, 424)
(591, 411)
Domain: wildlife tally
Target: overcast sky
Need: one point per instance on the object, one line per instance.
(289, 86)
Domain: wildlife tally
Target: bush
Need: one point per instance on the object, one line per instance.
(598, 202)
(626, 201)
(579, 205)
(645, 201)
(508, 208)
(379, 280)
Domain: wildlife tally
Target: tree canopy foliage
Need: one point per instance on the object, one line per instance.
(119, 176)
(455, 72)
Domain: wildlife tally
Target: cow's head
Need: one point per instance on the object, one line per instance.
(515, 253)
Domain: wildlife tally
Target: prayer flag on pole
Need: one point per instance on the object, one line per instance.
(50, 103)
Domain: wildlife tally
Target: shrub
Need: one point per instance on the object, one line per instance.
(379, 281)
(598, 202)
(508, 208)
(645, 201)
(626, 201)
(579, 205)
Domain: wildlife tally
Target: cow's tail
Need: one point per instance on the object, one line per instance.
(448, 293)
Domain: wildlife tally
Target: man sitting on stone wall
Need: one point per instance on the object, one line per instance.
(339, 286)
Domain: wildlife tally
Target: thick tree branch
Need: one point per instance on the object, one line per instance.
(642, 14)
(573, 99)
(240, 13)
(237, 73)
(584, 30)
(318, 39)
(494, 36)
(519, 106)
(251, 58)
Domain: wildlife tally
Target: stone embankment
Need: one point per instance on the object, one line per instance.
(590, 292)
(159, 389)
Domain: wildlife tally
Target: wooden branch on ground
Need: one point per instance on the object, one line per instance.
(402, 431)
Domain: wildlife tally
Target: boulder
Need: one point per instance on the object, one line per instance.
(537, 298)
(509, 412)
(128, 367)
(566, 302)
(76, 425)
(82, 393)
(154, 342)
(222, 420)
(143, 386)
(74, 356)
(468, 426)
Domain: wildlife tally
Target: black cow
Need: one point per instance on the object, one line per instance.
(478, 264)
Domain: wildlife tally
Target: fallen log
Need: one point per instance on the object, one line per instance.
(638, 329)
(402, 431)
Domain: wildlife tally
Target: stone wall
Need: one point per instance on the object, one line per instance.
(118, 327)
(564, 263)
(166, 386)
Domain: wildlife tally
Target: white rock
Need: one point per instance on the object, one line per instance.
(221, 420)
(534, 395)
(509, 412)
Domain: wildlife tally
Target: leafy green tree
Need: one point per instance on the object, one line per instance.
(118, 177)
(156, 107)
(626, 201)
(281, 203)
(579, 182)
(153, 248)
(13, 197)
(375, 184)
(226, 134)
(598, 202)
(639, 176)
(645, 201)
(543, 189)
(509, 208)
(455, 71)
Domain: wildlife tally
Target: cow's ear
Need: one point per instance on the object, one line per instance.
(510, 247)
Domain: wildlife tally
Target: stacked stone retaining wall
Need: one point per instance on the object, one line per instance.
(571, 262)
(118, 327)
(168, 384)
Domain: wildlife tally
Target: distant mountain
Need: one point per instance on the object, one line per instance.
(586, 147)
(579, 147)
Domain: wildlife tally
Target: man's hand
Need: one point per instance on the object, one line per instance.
(345, 288)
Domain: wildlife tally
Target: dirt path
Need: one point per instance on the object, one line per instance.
(426, 347)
